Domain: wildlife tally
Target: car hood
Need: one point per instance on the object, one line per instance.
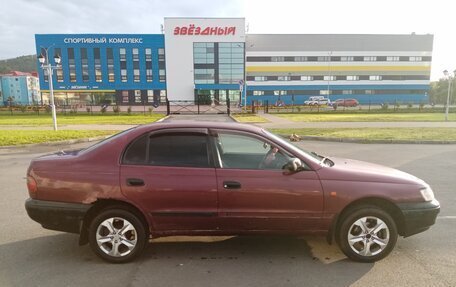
(349, 170)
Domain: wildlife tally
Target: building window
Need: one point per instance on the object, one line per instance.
(325, 92)
(347, 59)
(204, 76)
(283, 78)
(259, 78)
(84, 65)
(46, 76)
(136, 76)
(300, 59)
(375, 78)
(149, 74)
(161, 65)
(369, 92)
(370, 59)
(150, 96)
(352, 78)
(392, 58)
(258, 93)
(306, 78)
(280, 93)
(231, 62)
(123, 64)
(329, 78)
(71, 65)
(110, 62)
(277, 59)
(162, 96)
(347, 92)
(59, 71)
(415, 59)
(125, 99)
(323, 59)
(203, 53)
(138, 96)
(97, 62)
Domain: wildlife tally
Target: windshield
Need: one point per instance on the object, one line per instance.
(293, 147)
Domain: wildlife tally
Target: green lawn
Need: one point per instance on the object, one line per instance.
(348, 117)
(77, 119)
(20, 137)
(249, 118)
(433, 134)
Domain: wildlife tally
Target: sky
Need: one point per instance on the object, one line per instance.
(20, 20)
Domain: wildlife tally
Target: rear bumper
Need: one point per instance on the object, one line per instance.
(60, 216)
(419, 217)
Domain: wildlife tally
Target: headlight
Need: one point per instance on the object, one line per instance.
(427, 193)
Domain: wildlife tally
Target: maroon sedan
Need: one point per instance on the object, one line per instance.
(190, 178)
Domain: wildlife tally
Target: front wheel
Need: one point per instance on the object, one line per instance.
(367, 234)
(117, 235)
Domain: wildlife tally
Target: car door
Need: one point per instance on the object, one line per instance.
(171, 175)
(255, 196)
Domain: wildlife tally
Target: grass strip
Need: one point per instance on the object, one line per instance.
(415, 134)
(78, 119)
(21, 137)
(352, 117)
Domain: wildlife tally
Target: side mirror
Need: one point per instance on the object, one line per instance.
(293, 165)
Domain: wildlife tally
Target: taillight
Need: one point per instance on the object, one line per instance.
(32, 186)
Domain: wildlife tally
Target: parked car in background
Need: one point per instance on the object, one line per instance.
(317, 101)
(345, 103)
(212, 178)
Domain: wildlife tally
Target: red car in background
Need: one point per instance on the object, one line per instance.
(197, 178)
(345, 103)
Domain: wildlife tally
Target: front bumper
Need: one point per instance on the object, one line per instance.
(418, 217)
(60, 216)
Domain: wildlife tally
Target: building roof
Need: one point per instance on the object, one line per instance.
(338, 42)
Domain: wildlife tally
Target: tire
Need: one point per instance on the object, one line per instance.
(110, 240)
(367, 226)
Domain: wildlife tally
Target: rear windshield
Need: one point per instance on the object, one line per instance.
(106, 140)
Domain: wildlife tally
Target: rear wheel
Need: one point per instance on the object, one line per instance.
(367, 234)
(117, 235)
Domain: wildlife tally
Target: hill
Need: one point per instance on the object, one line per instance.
(22, 64)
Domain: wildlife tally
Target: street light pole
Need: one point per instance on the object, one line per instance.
(450, 81)
(46, 65)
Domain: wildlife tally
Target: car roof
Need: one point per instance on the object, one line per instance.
(198, 124)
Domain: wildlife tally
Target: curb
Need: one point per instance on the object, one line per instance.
(365, 141)
(53, 143)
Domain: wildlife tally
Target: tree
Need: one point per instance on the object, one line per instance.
(439, 91)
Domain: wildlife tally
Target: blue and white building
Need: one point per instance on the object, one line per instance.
(216, 58)
(19, 89)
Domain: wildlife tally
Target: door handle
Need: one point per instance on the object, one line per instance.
(135, 182)
(231, 185)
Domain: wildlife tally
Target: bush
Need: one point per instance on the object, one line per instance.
(421, 106)
(410, 105)
(116, 109)
(384, 106)
(88, 109)
(48, 109)
(23, 108)
(129, 110)
(150, 110)
(103, 109)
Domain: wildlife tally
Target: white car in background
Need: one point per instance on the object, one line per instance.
(317, 101)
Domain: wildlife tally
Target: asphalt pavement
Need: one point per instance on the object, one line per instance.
(33, 256)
